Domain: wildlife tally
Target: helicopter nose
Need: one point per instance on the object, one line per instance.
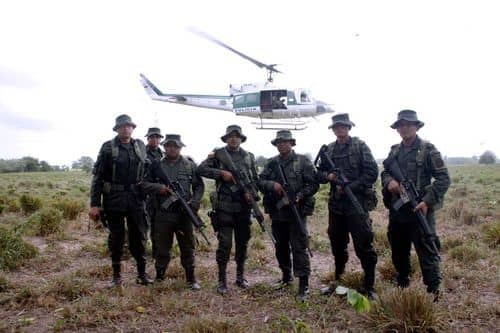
(323, 108)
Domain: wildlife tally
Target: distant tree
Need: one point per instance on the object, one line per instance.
(85, 163)
(44, 166)
(30, 164)
(488, 157)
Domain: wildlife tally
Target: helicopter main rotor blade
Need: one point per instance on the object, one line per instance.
(224, 45)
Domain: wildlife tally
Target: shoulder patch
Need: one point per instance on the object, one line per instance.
(437, 160)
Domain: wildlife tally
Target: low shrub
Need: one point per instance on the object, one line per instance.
(70, 208)
(492, 234)
(29, 203)
(467, 253)
(405, 310)
(14, 250)
(46, 222)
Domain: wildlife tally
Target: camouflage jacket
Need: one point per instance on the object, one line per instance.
(154, 154)
(228, 198)
(301, 176)
(420, 163)
(183, 170)
(118, 169)
(356, 162)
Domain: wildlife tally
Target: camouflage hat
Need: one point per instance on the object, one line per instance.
(341, 118)
(173, 138)
(283, 135)
(153, 131)
(123, 120)
(233, 128)
(408, 115)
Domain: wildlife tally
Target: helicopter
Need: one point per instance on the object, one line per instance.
(275, 107)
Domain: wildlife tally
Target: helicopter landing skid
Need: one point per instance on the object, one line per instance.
(298, 125)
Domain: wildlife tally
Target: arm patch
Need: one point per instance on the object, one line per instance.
(437, 160)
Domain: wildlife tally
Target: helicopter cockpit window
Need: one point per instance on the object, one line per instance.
(304, 97)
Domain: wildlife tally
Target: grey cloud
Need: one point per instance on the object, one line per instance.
(10, 119)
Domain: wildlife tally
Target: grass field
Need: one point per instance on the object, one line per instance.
(54, 268)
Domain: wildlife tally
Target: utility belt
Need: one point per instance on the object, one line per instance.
(110, 187)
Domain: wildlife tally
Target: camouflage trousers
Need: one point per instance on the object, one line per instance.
(239, 224)
(360, 228)
(166, 226)
(402, 232)
(290, 241)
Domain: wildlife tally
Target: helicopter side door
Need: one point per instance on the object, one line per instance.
(273, 100)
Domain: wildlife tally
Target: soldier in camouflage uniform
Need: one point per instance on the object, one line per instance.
(354, 158)
(420, 161)
(118, 172)
(232, 206)
(301, 176)
(170, 218)
(154, 153)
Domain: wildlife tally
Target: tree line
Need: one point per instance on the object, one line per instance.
(32, 164)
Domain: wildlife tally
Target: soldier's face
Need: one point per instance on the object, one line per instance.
(341, 131)
(284, 147)
(407, 130)
(154, 141)
(125, 131)
(233, 141)
(172, 150)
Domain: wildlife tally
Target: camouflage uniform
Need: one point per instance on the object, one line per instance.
(170, 219)
(420, 163)
(154, 154)
(301, 176)
(117, 171)
(233, 212)
(356, 162)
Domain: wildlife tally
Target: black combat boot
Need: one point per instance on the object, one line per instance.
(403, 282)
(331, 288)
(142, 277)
(303, 293)
(369, 283)
(240, 276)
(160, 273)
(222, 284)
(191, 280)
(286, 280)
(117, 279)
(435, 292)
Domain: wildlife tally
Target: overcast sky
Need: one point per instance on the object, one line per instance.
(68, 68)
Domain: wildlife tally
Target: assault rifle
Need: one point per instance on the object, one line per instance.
(341, 180)
(290, 198)
(245, 185)
(178, 195)
(409, 194)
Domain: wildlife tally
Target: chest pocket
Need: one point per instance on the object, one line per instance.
(185, 176)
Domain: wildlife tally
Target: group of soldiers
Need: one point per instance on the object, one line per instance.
(126, 180)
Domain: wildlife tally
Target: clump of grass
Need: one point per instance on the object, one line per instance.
(13, 250)
(210, 324)
(353, 280)
(12, 206)
(70, 208)
(257, 244)
(467, 253)
(99, 248)
(70, 287)
(405, 310)
(46, 222)
(387, 270)
(380, 241)
(318, 243)
(451, 242)
(29, 203)
(492, 234)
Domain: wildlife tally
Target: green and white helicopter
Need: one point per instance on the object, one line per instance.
(276, 108)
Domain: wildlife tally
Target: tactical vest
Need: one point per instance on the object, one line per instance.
(141, 154)
(354, 152)
(423, 150)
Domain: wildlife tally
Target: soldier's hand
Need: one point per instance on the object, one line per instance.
(248, 197)
(393, 187)
(94, 213)
(331, 177)
(165, 191)
(278, 189)
(422, 207)
(227, 176)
